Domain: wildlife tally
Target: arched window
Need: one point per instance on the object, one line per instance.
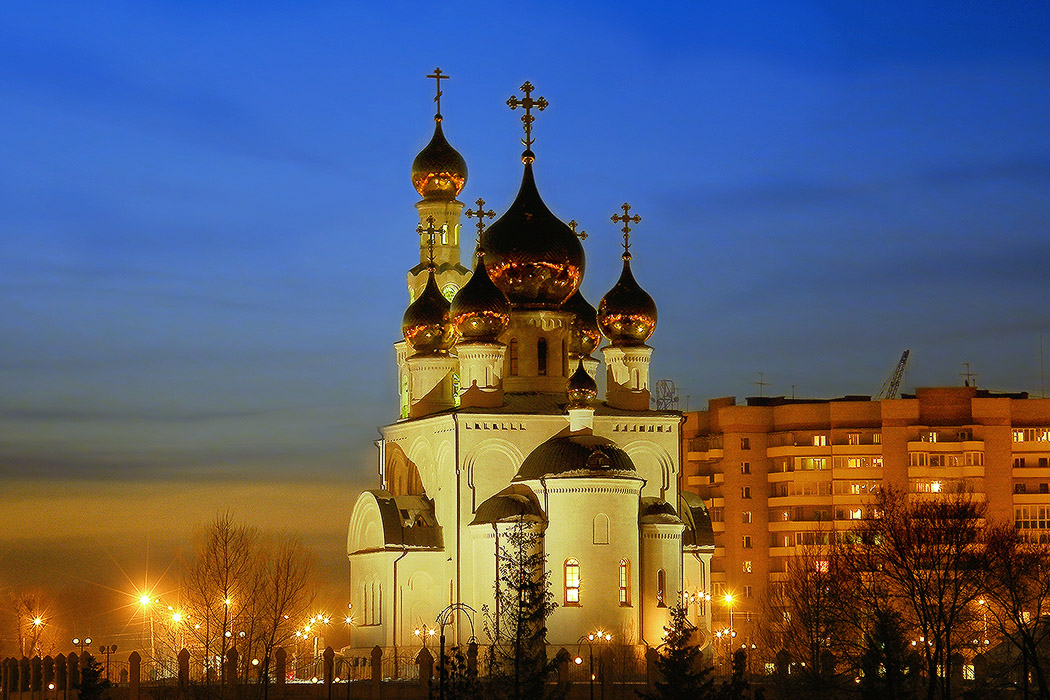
(513, 351)
(541, 357)
(600, 527)
(661, 581)
(625, 582)
(572, 582)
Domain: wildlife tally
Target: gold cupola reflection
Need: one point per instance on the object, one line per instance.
(627, 314)
(480, 311)
(582, 389)
(427, 323)
(584, 334)
(439, 171)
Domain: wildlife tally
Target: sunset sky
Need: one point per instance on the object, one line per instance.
(206, 219)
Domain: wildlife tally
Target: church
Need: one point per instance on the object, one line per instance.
(500, 422)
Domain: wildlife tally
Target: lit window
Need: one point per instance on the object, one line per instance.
(661, 580)
(876, 438)
(745, 492)
(748, 592)
(745, 541)
(572, 582)
(745, 517)
(821, 566)
(625, 582)
(745, 467)
(745, 443)
(746, 566)
(853, 438)
(820, 440)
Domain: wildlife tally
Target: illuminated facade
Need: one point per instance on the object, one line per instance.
(500, 421)
(779, 474)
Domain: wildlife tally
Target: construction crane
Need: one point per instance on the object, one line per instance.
(893, 382)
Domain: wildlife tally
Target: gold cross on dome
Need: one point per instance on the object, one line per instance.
(528, 103)
(438, 76)
(482, 215)
(582, 235)
(431, 232)
(627, 220)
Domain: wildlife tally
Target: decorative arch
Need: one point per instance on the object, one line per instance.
(654, 464)
(402, 475)
(366, 525)
(490, 467)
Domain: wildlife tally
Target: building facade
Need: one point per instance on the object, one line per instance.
(780, 474)
(500, 422)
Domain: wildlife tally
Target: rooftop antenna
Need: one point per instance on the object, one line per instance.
(969, 377)
(762, 383)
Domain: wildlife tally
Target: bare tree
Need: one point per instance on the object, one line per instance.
(217, 584)
(1018, 596)
(925, 553)
(32, 629)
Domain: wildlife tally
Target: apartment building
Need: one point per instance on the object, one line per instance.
(777, 473)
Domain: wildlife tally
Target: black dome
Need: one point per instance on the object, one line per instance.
(576, 455)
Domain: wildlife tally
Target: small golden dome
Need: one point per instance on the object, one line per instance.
(582, 389)
(480, 311)
(427, 324)
(531, 254)
(439, 171)
(584, 335)
(627, 314)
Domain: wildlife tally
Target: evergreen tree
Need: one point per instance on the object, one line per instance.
(461, 683)
(682, 671)
(737, 687)
(92, 684)
(517, 628)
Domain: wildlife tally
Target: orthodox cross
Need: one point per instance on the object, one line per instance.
(482, 215)
(431, 232)
(582, 235)
(968, 376)
(438, 76)
(528, 103)
(627, 220)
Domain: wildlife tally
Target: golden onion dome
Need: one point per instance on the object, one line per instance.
(480, 311)
(439, 171)
(427, 324)
(627, 314)
(582, 389)
(531, 254)
(584, 335)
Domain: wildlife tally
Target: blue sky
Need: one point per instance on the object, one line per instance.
(206, 215)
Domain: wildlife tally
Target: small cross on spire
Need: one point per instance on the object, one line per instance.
(528, 103)
(627, 220)
(482, 215)
(582, 235)
(431, 232)
(438, 76)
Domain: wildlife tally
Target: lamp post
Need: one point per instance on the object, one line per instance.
(108, 649)
(443, 619)
(81, 643)
(589, 638)
(599, 636)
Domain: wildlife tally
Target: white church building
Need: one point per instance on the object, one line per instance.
(500, 420)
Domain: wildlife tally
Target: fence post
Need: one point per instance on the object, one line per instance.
(472, 658)
(651, 672)
(73, 671)
(281, 673)
(134, 674)
(329, 658)
(561, 663)
(60, 674)
(377, 672)
(34, 674)
(184, 671)
(229, 673)
(425, 661)
(48, 665)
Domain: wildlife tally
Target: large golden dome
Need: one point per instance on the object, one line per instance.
(530, 254)
(480, 311)
(439, 171)
(427, 324)
(584, 335)
(627, 314)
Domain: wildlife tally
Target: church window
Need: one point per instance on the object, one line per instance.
(661, 582)
(625, 582)
(541, 357)
(572, 582)
(601, 529)
(513, 351)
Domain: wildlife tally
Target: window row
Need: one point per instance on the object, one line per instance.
(950, 459)
(573, 578)
(1021, 462)
(1031, 434)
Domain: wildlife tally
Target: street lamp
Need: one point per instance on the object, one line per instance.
(423, 632)
(590, 653)
(81, 643)
(443, 619)
(107, 650)
(599, 636)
